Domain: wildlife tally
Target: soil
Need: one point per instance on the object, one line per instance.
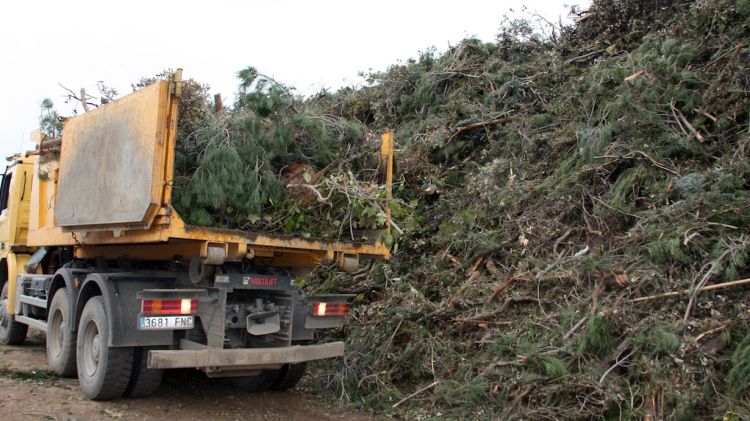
(184, 395)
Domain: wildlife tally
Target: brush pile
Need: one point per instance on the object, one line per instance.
(566, 199)
(273, 163)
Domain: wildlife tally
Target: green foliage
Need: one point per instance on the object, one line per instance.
(49, 120)
(659, 340)
(598, 337)
(743, 7)
(545, 175)
(230, 166)
(457, 394)
(549, 366)
(627, 188)
(738, 378)
(667, 248)
(193, 108)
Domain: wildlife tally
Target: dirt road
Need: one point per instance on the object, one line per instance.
(29, 392)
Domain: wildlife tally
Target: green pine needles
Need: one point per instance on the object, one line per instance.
(235, 169)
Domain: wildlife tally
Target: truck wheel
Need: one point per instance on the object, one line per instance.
(289, 376)
(11, 332)
(258, 383)
(61, 343)
(103, 371)
(143, 381)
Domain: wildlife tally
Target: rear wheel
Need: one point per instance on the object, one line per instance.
(103, 371)
(289, 376)
(260, 382)
(61, 341)
(11, 332)
(143, 381)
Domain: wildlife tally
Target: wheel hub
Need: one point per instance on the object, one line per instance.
(92, 349)
(4, 316)
(56, 333)
(95, 348)
(60, 335)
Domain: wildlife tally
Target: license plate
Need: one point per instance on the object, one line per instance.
(166, 322)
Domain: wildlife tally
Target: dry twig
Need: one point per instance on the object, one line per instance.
(484, 123)
(715, 287)
(429, 386)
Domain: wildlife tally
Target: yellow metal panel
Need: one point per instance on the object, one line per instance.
(15, 266)
(154, 251)
(171, 113)
(163, 252)
(112, 162)
(14, 219)
(22, 207)
(386, 154)
(10, 260)
(43, 195)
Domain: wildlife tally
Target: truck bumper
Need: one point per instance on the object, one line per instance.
(247, 358)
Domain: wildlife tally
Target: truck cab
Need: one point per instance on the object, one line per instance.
(15, 194)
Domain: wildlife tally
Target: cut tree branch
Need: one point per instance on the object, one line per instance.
(483, 123)
(724, 285)
(429, 386)
(83, 100)
(317, 193)
(683, 120)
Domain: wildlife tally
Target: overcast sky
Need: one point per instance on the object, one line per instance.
(306, 44)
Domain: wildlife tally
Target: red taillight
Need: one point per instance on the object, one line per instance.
(330, 309)
(179, 306)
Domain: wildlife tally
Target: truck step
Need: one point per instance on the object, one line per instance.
(35, 323)
(36, 302)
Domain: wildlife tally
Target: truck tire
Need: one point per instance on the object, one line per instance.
(143, 381)
(11, 331)
(103, 371)
(61, 342)
(258, 383)
(289, 376)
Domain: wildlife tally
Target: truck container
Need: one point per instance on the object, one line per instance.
(93, 254)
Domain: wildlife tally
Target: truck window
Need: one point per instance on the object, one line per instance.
(5, 191)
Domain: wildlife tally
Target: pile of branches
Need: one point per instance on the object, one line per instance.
(274, 163)
(577, 231)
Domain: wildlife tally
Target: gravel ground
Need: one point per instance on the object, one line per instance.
(29, 392)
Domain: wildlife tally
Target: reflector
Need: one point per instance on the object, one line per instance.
(175, 306)
(330, 309)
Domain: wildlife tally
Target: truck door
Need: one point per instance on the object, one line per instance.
(4, 210)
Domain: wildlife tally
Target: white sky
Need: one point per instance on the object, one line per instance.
(307, 44)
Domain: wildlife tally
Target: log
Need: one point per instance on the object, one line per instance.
(218, 104)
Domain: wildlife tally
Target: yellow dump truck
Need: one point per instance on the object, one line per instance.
(93, 254)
